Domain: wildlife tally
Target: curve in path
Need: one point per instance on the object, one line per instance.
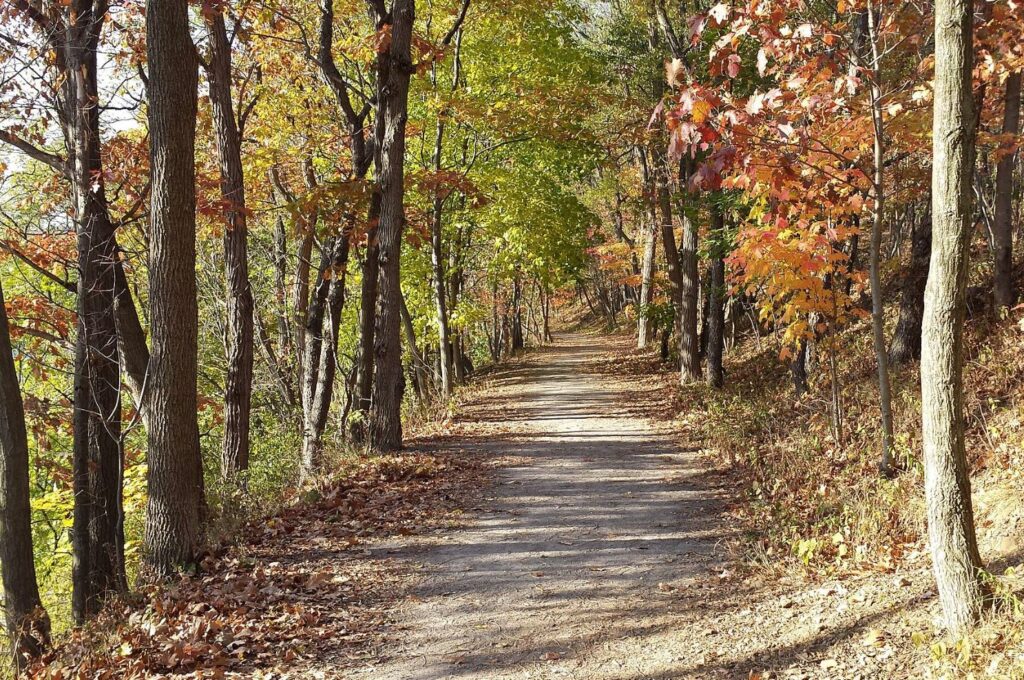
(573, 567)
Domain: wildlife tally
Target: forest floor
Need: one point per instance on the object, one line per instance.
(607, 550)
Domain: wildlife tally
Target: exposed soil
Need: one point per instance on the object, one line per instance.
(602, 553)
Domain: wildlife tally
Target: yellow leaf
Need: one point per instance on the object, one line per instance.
(701, 110)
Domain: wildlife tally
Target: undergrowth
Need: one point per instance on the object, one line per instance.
(819, 506)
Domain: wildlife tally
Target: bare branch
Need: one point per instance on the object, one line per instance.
(458, 24)
(53, 160)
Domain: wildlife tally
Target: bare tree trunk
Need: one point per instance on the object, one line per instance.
(689, 337)
(173, 530)
(437, 260)
(393, 83)
(321, 353)
(27, 622)
(419, 367)
(284, 333)
(886, 465)
(367, 325)
(97, 432)
(690, 348)
(363, 154)
(906, 339)
(1002, 228)
(239, 331)
(798, 367)
(645, 330)
(716, 311)
(954, 547)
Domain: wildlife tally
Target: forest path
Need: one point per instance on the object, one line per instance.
(592, 548)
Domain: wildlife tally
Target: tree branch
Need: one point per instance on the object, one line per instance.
(53, 160)
(458, 24)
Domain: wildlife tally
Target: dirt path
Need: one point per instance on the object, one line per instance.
(573, 567)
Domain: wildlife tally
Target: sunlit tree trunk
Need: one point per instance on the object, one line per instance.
(886, 465)
(393, 85)
(954, 548)
(645, 330)
(173, 531)
(239, 331)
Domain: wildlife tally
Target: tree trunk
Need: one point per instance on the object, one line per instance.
(239, 331)
(131, 338)
(437, 261)
(367, 324)
(173, 531)
(97, 542)
(419, 367)
(716, 312)
(906, 339)
(27, 622)
(645, 329)
(668, 234)
(1002, 228)
(321, 353)
(954, 547)
(798, 367)
(689, 335)
(886, 465)
(393, 83)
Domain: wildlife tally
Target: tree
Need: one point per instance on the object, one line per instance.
(27, 622)
(173, 532)
(906, 339)
(1002, 228)
(394, 71)
(239, 332)
(716, 304)
(955, 558)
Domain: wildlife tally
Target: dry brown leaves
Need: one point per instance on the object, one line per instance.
(301, 590)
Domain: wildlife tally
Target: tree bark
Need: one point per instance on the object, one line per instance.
(716, 311)
(239, 331)
(955, 558)
(1002, 228)
(668, 235)
(906, 339)
(321, 354)
(437, 262)
(645, 329)
(886, 465)
(689, 336)
(393, 87)
(363, 156)
(173, 531)
(798, 367)
(419, 367)
(27, 622)
(97, 545)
